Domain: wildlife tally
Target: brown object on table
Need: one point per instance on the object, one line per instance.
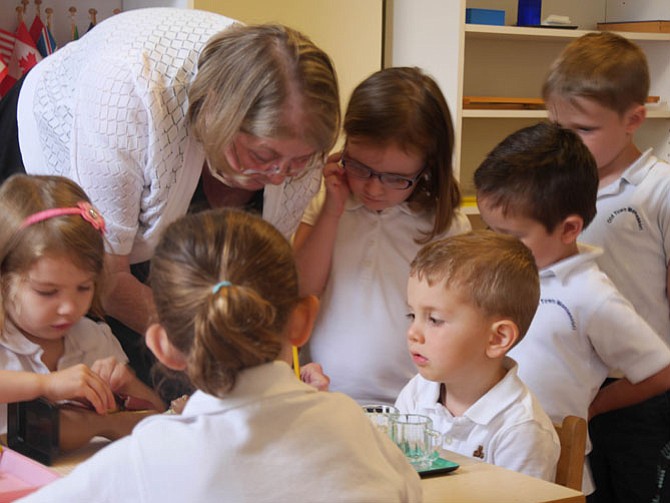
(500, 102)
(638, 26)
(511, 103)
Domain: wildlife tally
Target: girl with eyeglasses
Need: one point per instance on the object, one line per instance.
(389, 192)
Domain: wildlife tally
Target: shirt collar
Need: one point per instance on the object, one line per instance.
(634, 174)
(503, 394)
(353, 204)
(17, 343)
(564, 268)
(252, 384)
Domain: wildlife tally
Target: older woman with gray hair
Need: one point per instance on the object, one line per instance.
(157, 112)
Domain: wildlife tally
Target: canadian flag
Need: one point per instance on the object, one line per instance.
(24, 55)
(3, 70)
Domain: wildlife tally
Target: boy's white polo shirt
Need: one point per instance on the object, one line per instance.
(506, 426)
(583, 327)
(633, 227)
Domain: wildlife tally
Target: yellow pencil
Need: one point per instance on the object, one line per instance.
(296, 362)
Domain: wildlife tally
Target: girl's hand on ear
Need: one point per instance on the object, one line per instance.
(312, 374)
(79, 383)
(337, 187)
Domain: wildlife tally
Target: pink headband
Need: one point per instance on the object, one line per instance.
(87, 212)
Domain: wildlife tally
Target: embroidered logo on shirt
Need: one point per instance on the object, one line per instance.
(479, 453)
(558, 303)
(628, 209)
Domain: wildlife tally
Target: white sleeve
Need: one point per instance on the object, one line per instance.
(314, 207)
(625, 342)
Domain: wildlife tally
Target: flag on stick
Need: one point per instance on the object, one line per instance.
(3, 71)
(74, 31)
(23, 57)
(7, 41)
(41, 34)
(92, 13)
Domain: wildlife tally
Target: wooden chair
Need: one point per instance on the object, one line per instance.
(572, 434)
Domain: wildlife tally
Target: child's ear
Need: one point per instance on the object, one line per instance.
(157, 340)
(635, 117)
(301, 320)
(571, 228)
(504, 334)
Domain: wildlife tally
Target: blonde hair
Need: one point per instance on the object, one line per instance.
(246, 77)
(496, 271)
(68, 236)
(404, 106)
(604, 67)
(237, 325)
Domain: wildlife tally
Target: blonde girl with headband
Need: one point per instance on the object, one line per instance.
(51, 265)
(229, 312)
(391, 190)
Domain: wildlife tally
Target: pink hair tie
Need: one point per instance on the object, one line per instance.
(87, 212)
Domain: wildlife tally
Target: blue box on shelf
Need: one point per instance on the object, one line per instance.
(485, 16)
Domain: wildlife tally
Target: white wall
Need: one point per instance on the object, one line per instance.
(137, 4)
(350, 31)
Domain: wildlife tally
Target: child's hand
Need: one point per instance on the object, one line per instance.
(123, 381)
(118, 375)
(337, 187)
(312, 374)
(79, 383)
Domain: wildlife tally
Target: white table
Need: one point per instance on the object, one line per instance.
(476, 482)
(473, 482)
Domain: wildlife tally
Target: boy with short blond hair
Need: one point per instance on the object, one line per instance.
(598, 87)
(471, 298)
(540, 185)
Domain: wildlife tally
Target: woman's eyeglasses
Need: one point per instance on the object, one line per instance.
(390, 180)
(289, 168)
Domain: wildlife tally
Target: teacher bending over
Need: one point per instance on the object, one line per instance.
(156, 112)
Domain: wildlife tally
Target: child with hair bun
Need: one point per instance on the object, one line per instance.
(51, 269)
(229, 313)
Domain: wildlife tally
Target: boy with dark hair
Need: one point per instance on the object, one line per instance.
(540, 184)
